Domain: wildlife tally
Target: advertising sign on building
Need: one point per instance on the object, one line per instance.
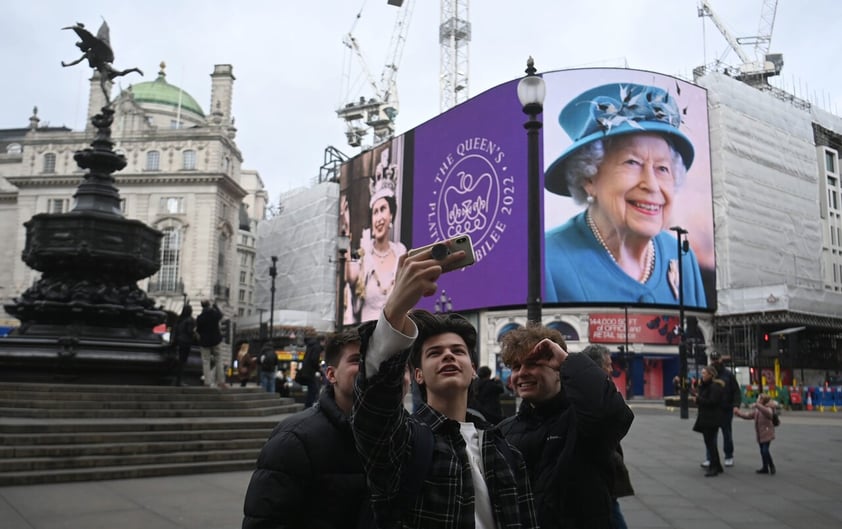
(625, 157)
(642, 329)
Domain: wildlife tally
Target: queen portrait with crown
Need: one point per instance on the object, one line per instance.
(371, 277)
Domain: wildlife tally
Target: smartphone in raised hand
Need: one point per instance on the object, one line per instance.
(440, 250)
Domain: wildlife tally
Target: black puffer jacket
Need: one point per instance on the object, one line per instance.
(568, 444)
(308, 475)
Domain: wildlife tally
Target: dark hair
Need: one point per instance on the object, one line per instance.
(518, 343)
(484, 372)
(393, 206)
(335, 342)
(430, 325)
(186, 312)
(596, 353)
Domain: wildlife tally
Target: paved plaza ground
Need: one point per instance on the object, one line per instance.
(662, 453)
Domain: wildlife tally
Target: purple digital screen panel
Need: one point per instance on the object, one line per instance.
(469, 177)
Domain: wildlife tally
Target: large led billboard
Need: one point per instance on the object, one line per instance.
(625, 157)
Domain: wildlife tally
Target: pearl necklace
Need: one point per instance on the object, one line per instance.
(650, 249)
(381, 255)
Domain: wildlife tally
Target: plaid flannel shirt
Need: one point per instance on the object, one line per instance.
(384, 439)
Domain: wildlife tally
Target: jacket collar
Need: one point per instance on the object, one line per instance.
(544, 408)
(327, 405)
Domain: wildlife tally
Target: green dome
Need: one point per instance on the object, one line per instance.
(161, 92)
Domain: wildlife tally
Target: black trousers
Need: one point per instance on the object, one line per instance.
(713, 450)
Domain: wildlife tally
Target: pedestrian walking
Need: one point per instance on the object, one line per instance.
(210, 340)
(268, 367)
(763, 412)
(709, 397)
(732, 398)
(487, 394)
(309, 374)
(185, 337)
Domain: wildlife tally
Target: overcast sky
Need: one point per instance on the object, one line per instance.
(288, 57)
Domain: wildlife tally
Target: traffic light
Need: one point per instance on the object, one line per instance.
(226, 331)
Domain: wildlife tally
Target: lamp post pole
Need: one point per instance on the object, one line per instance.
(530, 91)
(684, 409)
(273, 272)
(342, 245)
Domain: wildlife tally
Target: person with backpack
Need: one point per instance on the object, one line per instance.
(310, 458)
(268, 368)
(568, 428)
(764, 413)
(472, 476)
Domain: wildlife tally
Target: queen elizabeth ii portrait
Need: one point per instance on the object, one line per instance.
(628, 160)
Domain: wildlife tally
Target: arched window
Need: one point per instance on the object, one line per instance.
(50, 162)
(153, 161)
(14, 148)
(170, 260)
(507, 328)
(570, 334)
(189, 160)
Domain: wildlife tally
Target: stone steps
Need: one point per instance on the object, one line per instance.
(51, 433)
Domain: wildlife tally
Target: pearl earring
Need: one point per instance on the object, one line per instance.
(590, 199)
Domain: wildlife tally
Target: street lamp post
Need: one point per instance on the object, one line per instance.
(683, 246)
(273, 272)
(444, 305)
(260, 333)
(342, 245)
(531, 91)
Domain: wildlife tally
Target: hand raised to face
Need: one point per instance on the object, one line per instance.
(548, 353)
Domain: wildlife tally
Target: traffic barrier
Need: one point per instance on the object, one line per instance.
(809, 399)
(784, 397)
(795, 398)
(828, 398)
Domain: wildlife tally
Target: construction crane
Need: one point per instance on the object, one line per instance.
(379, 111)
(454, 60)
(754, 71)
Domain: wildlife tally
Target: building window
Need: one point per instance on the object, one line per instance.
(242, 296)
(220, 261)
(170, 258)
(123, 206)
(830, 161)
(172, 205)
(58, 205)
(242, 277)
(189, 160)
(153, 161)
(50, 162)
(240, 312)
(226, 165)
(175, 124)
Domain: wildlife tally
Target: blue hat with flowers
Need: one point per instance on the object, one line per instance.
(612, 110)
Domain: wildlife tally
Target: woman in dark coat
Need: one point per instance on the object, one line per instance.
(709, 397)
